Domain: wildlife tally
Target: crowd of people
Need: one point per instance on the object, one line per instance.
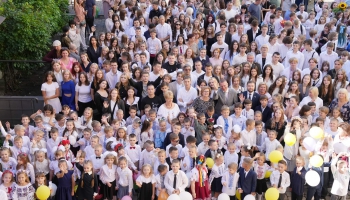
(142, 108)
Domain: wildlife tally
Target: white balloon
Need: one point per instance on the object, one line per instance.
(249, 197)
(312, 178)
(185, 196)
(309, 143)
(339, 147)
(53, 188)
(174, 197)
(223, 196)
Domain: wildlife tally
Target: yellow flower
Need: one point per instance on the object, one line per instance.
(342, 5)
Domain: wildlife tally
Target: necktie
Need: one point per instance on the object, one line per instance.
(193, 162)
(250, 96)
(226, 125)
(258, 139)
(132, 147)
(174, 185)
(279, 181)
(313, 83)
(230, 180)
(162, 182)
(98, 157)
(180, 50)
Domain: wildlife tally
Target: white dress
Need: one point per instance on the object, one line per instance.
(50, 90)
(163, 111)
(23, 192)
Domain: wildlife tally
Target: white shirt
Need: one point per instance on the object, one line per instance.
(181, 181)
(249, 138)
(298, 55)
(97, 162)
(154, 45)
(133, 152)
(163, 30)
(239, 59)
(274, 179)
(108, 175)
(156, 165)
(307, 99)
(341, 181)
(112, 78)
(202, 148)
(273, 48)
(268, 59)
(147, 158)
(223, 48)
(269, 146)
(260, 40)
(125, 177)
(178, 146)
(231, 191)
(308, 55)
(230, 158)
(277, 69)
(324, 56)
(186, 96)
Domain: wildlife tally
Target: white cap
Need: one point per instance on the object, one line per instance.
(56, 43)
(237, 129)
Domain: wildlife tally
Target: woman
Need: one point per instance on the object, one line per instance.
(118, 30)
(214, 85)
(57, 71)
(109, 21)
(304, 86)
(92, 72)
(202, 102)
(113, 104)
(66, 61)
(68, 90)
(315, 77)
(277, 124)
(211, 39)
(325, 91)
(50, 91)
(85, 62)
(267, 75)
(130, 100)
(278, 87)
(123, 85)
(340, 80)
(83, 94)
(80, 20)
(94, 50)
(234, 50)
(176, 31)
(262, 90)
(216, 59)
(292, 108)
(76, 70)
(342, 101)
(189, 56)
(100, 98)
(168, 110)
(166, 49)
(313, 97)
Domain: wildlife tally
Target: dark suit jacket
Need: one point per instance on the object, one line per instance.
(167, 140)
(298, 181)
(247, 183)
(255, 99)
(266, 115)
(208, 154)
(139, 85)
(204, 62)
(228, 39)
(250, 35)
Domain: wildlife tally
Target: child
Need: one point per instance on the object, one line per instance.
(60, 123)
(40, 179)
(213, 149)
(18, 145)
(146, 132)
(337, 114)
(59, 155)
(323, 112)
(64, 180)
(218, 131)
(85, 140)
(54, 141)
(225, 121)
(173, 155)
(199, 126)
(132, 117)
(97, 159)
(280, 179)
(160, 187)
(230, 156)
(260, 168)
(23, 189)
(8, 184)
(341, 177)
(108, 136)
(176, 128)
(148, 155)
(68, 154)
(304, 153)
(216, 175)
(199, 180)
(122, 137)
(160, 161)
(248, 112)
(37, 143)
(108, 176)
(121, 153)
(71, 134)
(260, 134)
(146, 181)
(333, 129)
(19, 130)
(246, 152)
(235, 138)
(133, 150)
(203, 146)
(41, 164)
(125, 182)
(238, 118)
(230, 181)
(160, 134)
(81, 160)
(24, 165)
(174, 138)
(209, 115)
(7, 162)
(249, 134)
(48, 116)
(96, 128)
(291, 151)
(38, 120)
(175, 180)
(298, 179)
(270, 143)
(187, 130)
(247, 178)
(90, 149)
(190, 142)
(135, 129)
(145, 116)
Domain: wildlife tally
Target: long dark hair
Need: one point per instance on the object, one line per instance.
(86, 79)
(264, 73)
(231, 47)
(322, 91)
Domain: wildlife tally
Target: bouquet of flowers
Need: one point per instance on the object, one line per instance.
(282, 23)
(340, 8)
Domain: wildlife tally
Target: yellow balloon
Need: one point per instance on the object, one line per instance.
(275, 156)
(268, 174)
(316, 132)
(209, 162)
(43, 192)
(271, 194)
(290, 139)
(238, 195)
(316, 161)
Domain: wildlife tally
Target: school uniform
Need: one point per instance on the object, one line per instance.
(226, 125)
(169, 160)
(134, 152)
(108, 175)
(146, 188)
(156, 165)
(16, 151)
(247, 182)
(201, 186)
(216, 176)
(50, 144)
(84, 145)
(159, 183)
(269, 146)
(297, 183)
(175, 181)
(260, 171)
(221, 143)
(131, 130)
(231, 181)
(178, 146)
(89, 150)
(211, 153)
(315, 192)
(147, 158)
(282, 181)
(125, 182)
(98, 162)
(202, 148)
(341, 183)
(230, 158)
(86, 191)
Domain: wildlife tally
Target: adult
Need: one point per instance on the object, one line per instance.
(101, 98)
(85, 62)
(83, 94)
(130, 100)
(342, 101)
(187, 94)
(68, 90)
(325, 91)
(80, 21)
(113, 104)
(262, 90)
(151, 99)
(163, 30)
(255, 10)
(123, 85)
(90, 8)
(66, 61)
(277, 123)
(313, 97)
(169, 110)
(176, 85)
(202, 102)
(50, 92)
(94, 50)
(113, 76)
(55, 52)
(203, 58)
(250, 94)
(225, 96)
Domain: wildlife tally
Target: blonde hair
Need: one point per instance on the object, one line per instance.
(89, 162)
(147, 165)
(21, 172)
(111, 156)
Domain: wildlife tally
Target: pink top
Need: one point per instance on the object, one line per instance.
(69, 65)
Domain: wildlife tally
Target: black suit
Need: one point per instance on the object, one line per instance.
(250, 35)
(255, 98)
(208, 154)
(266, 115)
(204, 61)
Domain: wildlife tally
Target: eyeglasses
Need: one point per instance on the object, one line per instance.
(178, 24)
(177, 141)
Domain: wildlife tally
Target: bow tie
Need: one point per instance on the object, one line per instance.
(132, 147)
(98, 157)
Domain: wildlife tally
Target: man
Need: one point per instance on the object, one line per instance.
(309, 53)
(176, 85)
(187, 72)
(208, 74)
(163, 30)
(251, 58)
(227, 37)
(203, 58)
(154, 45)
(73, 52)
(293, 66)
(186, 94)
(151, 99)
(239, 33)
(295, 53)
(242, 56)
(225, 96)
(276, 65)
(155, 12)
(220, 19)
(141, 86)
(90, 7)
(198, 71)
(229, 11)
(171, 66)
(264, 57)
(255, 10)
(143, 62)
(263, 38)
(157, 68)
(132, 30)
(219, 45)
(55, 52)
(254, 31)
(250, 94)
(113, 76)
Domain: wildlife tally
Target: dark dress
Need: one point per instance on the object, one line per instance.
(99, 106)
(280, 131)
(93, 55)
(86, 192)
(327, 99)
(145, 191)
(210, 42)
(64, 186)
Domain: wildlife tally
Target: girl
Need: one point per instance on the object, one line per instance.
(315, 77)
(245, 74)
(305, 111)
(68, 154)
(25, 166)
(76, 70)
(211, 39)
(340, 80)
(181, 117)
(41, 164)
(278, 87)
(101, 39)
(254, 75)
(8, 184)
(48, 116)
(296, 76)
(131, 49)
(146, 181)
(260, 168)
(125, 179)
(254, 48)
(235, 138)
(70, 132)
(216, 59)
(304, 86)
(325, 67)
(290, 152)
(199, 180)
(85, 62)
(66, 62)
(310, 23)
(118, 30)
(23, 190)
(88, 183)
(58, 71)
(216, 174)
(218, 131)
(146, 132)
(267, 75)
(337, 114)
(50, 91)
(114, 46)
(176, 32)
(293, 90)
(103, 56)
(83, 95)
(136, 74)
(40, 179)
(180, 44)
(121, 153)
(92, 72)
(236, 84)
(65, 182)
(325, 91)
(246, 152)
(189, 56)
(122, 137)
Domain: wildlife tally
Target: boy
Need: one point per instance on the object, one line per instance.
(309, 53)
(204, 146)
(39, 125)
(153, 118)
(260, 134)
(292, 8)
(189, 162)
(210, 114)
(25, 120)
(333, 129)
(280, 179)
(230, 156)
(160, 161)
(314, 114)
(96, 128)
(225, 120)
(154, 45)
(249, 134)
(213, 149)
(265, 110)
(162, 170)
(54, 141)
(89, 150)
(247, 178)
(120, 117)
(175, 181)
(242, 56)
(173, 155)
(258, 117)
(108, 136)
(174, 138)
(248, 112)
(295, 53)
(270, 144)
(147, 108)
(176, 128)
(323, 112)
(329, 55)
(187, 130)
(230, 180)
(97, 159)
(190, 141)
(135, 128)
(148, 155)
(85, 141)
(133, 150)
(60, 123)
(199, 126)
(18, 146)
(320, 122)
(19, 130)
(341, 176)
(132, 117)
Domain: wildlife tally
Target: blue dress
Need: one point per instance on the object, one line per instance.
(64, 186)
(68, 88)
